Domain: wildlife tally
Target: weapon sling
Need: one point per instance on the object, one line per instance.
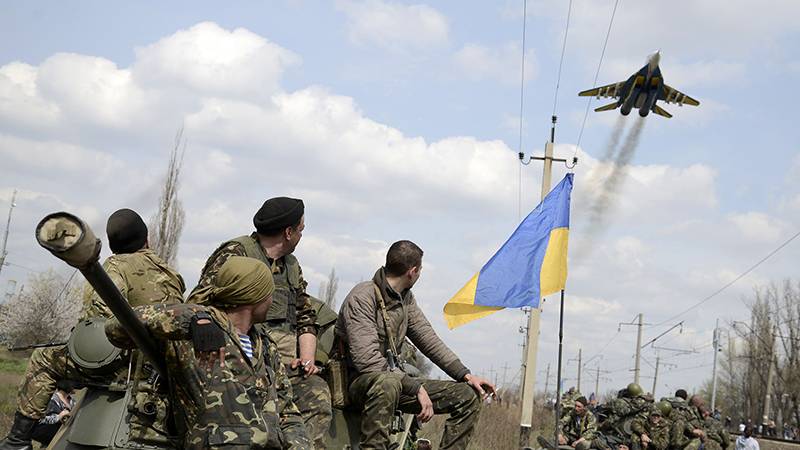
(392, 359)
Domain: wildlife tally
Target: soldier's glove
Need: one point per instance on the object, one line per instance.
(206, 336)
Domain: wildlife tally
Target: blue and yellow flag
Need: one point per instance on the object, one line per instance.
(530, 265)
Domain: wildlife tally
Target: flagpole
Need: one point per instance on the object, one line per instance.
(558, 373)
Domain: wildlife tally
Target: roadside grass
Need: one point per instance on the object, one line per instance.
(12, 368)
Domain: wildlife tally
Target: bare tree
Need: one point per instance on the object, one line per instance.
(167, 224)
(327, 289)
(769, 340)
(43, 311)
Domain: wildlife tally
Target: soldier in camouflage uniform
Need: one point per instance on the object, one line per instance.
(375, 317)
(620, 414)
(653, 433)
(231, 389)
(717, 438)
(291, 321)
(142, 278)
(579, 427)
(687, 425)
(568, 400)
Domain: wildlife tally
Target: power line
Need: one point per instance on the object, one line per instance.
(561, 61)
(522, 99)
(732, 282)
(597, 75)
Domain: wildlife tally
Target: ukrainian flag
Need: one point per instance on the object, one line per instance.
(530, 265)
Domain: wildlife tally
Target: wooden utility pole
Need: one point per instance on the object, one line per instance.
(655, 377)
(715, 344)
(579, 370)
(597, 385)
(547, 380)
(3, 251)
(770, 376)
(637, 370)
(532, 343)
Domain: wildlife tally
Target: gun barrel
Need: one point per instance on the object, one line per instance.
(70, 239)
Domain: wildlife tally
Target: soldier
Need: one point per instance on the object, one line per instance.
(653, 433)
(717, 438)
(620, 414)
(579, 427)
(291, 319)
(142, 278)
(687, 428)
(377, 315)
(568, 400)
(229, 385)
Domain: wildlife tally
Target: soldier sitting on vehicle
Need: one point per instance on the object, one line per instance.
(142, 278)
(717, 438)
(578, 427)
(619, 414)
(291, 321)
(374, 319)
(687, 427)
(653, 433)
(231, 389)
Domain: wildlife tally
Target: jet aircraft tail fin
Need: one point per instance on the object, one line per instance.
(661, 111)
(608, 107)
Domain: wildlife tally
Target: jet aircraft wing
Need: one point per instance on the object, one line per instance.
(610, 90)
(672, 95)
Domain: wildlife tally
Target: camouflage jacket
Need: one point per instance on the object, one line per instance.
(305, 313)
(245, 404)
(622, 411)
(659, 434)
(141, 277)
(716, 432)
(574, 427)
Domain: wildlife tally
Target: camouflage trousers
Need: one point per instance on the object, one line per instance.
(378, 395)
(49, 364)
(313, 398)
(46, 366)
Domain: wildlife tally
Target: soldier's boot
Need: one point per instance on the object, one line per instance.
(19, 437)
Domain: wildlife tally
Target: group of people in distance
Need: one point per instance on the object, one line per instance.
(244, 350)
(634, 421)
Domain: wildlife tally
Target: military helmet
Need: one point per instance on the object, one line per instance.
(634, 390)
(664, 407)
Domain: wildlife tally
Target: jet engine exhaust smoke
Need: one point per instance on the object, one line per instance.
(612, 180)
(613, 141)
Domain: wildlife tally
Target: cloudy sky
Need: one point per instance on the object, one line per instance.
(397, 120)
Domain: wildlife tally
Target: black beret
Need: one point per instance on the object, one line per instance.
(276, 214)
(681, 393)
(126, 231)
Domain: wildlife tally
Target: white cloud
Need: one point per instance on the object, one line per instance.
(479, 62)
(57, 159)
(757, 227)
(20, 100)
(92, 89)
(212, 60)
(395, 26)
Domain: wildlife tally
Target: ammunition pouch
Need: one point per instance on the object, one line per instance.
(338, 377)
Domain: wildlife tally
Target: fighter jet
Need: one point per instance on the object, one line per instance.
(641, 91)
